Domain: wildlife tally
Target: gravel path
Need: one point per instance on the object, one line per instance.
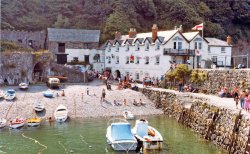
(76, 100)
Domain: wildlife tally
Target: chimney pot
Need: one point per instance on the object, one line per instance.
(154, 32)
(132, 33)
(229, 40)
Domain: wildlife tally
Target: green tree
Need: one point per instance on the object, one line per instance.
(61, 22)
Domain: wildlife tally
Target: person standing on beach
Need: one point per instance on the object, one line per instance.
(103, 94)
(125, 102)
(242, 99)
(236, 96)
(87, 91)
(247, 103)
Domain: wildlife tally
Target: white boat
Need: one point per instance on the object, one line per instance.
(10, 94)
(2, 122)
(38, 106)
(23, 86)
(32, 122)
(120, 137)
(128, 115)
(148, 135)
(17, 123)
(61, 113)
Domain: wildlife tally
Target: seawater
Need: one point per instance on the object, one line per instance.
(87, 136)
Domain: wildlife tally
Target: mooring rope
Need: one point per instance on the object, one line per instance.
(59, 142)
(82, 138)
(36, 141)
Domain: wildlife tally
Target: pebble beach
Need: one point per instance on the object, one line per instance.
(79, 104)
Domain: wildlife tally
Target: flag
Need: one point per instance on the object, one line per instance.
(198, 27)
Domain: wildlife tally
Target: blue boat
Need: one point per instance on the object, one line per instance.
(10, 94)
(48, 94)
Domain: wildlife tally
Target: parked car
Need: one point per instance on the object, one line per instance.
(53, 82)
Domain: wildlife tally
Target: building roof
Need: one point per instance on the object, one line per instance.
(216, 42)
(190, 35)
(73, 35)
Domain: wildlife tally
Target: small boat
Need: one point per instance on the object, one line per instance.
(128, 115)
(23, 86)
(61, 78)
(149, 136)
(32, 122)
(2, 122)
(10, 94)
(120, 137)
(61, 113)
(48, 94)
(38, 106)
(17, 123)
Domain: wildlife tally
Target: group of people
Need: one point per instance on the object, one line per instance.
(150, 82)
(243, 97)
(140, 103)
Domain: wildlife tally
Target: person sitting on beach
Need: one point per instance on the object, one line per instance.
(141, 102)
(125, 102)
(116, 103)
(136, 103)
(221, 93)
(63, 94)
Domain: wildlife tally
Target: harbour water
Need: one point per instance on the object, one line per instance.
(87, 136)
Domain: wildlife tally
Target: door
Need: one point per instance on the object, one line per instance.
(86, 59)
(61, 47)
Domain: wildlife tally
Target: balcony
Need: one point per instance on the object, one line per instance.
(180, 52)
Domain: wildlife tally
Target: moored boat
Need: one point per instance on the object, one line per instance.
(120, 137)
(128, 115)
(23, 86)
(32, 122)
(61, 113)
(148, 135)
(10, 94)
(2, 122)
(48, 94)
(38, 106)
(16, 123)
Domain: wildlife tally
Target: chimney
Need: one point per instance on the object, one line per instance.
(132, 33)
(175, 27)
(228, 40)
(154, 32)
(180, 28)
(117, 35)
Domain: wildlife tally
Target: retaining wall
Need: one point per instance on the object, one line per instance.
(226, 128)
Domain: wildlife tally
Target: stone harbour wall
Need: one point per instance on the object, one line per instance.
(226, 128)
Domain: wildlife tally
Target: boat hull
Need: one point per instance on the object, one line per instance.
(153, 145)
(15, 126)
(124, 146)
(33, 124)
(61, 119)
(38, 109)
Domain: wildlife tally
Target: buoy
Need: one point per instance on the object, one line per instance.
(90, 146)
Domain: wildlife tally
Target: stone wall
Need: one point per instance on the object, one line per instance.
(226, 78)
(226, 128)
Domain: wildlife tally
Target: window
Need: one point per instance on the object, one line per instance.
(157, 46)
(157, 60)
(137, 60)
(127, 60)
(117, 60)
(223, 50)
(208, 49)
(109, 48)
(214, 59)
(146, 60)
(146, 46)
(109, 60)
(195, 45)
(137, 76)
(137, 48)
(117, 47)
(174, 45)
(127, 47)
(200, 45)
(86, 45)
(179, 45)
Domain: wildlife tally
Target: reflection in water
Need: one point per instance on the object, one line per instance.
(88, 136)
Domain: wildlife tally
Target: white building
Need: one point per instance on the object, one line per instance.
(151, 54)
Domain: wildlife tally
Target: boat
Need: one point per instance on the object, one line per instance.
(61, 78)
(23, 86)
(48, 94)
(2, 122)
(32, 122)
(61, 113)
(151, 139)
(128, 115)
(119, 135)
(53, 82)
(1, 94)
(17, 123)
(10, 94)
(38, 106)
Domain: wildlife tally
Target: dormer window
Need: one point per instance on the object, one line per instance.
(157, 46)
(178, 43)
(127, 47)
(157, 60)
(137, 48)
(146, 46)
(117, 60)
(109, 60)
(147, 60)
(109, 48)
(127, 60)
(137, 60)
(117, 47)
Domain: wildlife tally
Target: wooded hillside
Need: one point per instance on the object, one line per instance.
(221, 17)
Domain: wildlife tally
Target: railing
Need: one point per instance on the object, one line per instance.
(180, 52)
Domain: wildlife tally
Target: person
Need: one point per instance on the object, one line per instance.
(141, 102)
(180, 86)
(236, 96)
(247, 103)
(242, 99)
(125, 102)
(87, 91)
(63, 94)
(135, 103)
(222, 92)
(103, 94)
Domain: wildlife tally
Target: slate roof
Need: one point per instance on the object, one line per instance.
(190, 35)
(216, 42)
(73, 35)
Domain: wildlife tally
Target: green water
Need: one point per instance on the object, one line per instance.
(87, 136)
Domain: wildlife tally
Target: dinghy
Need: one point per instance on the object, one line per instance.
(61, 113)
(149, 136)
(2, 122)
(10, 94)
(128, 115)
(17, 123)
(119, 136)
(38, 106)
(23, 86)
(32, 122)
(48, 94)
